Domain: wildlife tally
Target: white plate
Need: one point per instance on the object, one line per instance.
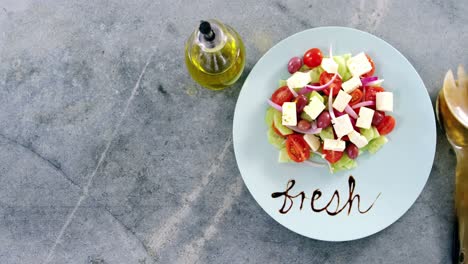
(393, 177)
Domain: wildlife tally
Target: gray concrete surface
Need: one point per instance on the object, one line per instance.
(108, 154)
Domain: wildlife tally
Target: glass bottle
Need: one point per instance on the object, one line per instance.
(215, 55)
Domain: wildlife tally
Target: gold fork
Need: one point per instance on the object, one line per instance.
(452, 114)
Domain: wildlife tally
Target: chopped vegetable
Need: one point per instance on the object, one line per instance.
(333, 107)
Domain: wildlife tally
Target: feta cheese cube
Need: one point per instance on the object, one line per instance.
(329, 65)
(365, 117)
(352, 84)
(359, 64)
(334, 144)
(341, 101)
(299, 79)
(289, 114)
(342, 125)
(312, 141)
(314, 108)
(358, 139)
(384, 101)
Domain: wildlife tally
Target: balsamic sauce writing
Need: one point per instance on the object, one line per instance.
(289, 199)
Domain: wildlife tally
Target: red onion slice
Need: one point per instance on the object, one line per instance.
(275, 106)
(351, 112)
(310, 131)
(330, 107)
(292, 91)
(326, 161)
(375, 83)
(310, 88)
(365, 103)
(314, 125)
(305, 90)
(367, 80)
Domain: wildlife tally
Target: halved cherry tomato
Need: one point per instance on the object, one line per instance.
(325, 77)
(356, 97)
(371, 91)
(313, 57)
(283, 94)
(387, 125)
(276, 130)
(297, 147)
(332, 156)
(371, 73)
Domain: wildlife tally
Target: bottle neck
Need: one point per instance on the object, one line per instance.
(213, 41)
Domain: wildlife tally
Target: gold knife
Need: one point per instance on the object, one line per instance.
(452, 114)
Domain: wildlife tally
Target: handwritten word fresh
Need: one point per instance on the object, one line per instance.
(328, 208)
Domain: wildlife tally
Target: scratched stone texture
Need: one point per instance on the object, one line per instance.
(109, 153)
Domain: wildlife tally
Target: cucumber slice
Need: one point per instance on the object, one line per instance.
(346, 76)
(282, 83)
(269, 116)
(376, 132)
(315, 74)
(283, 156)
(316, 94)
(327, 133)
(305, 116)
(376, 144)
(368, 133)
(277, 119)
(325, 99)
(345, 163)
(363, 149)
(342, 69)
(277, 141)
(304, 68)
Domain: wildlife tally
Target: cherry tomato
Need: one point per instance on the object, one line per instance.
(283, 94)
(356, 97)
(371, 73)
(276, 130)
(304, 125)
(371, 91)
(297, 148)
(332, 156)
(325, 77)
(377, 118)
(352, 150)
(386, 126)
(301, 102)
(313, 57)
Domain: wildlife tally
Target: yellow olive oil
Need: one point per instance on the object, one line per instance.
(215, 55)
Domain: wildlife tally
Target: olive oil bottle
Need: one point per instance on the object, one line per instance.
(215, 55)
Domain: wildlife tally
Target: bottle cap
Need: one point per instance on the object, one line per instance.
(206, 30)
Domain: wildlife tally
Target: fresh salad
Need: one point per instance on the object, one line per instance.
(332, 109)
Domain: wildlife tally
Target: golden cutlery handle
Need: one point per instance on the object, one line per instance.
(461, 204)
